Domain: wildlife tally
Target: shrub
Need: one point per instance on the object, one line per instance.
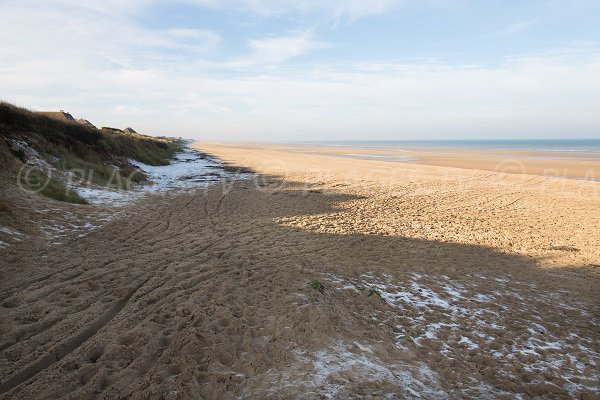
(317, 285)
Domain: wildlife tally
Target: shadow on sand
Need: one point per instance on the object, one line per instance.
(206, 294)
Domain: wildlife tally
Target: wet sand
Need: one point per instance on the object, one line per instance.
(576, 164)
(325, 276)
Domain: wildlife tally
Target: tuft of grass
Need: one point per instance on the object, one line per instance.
(92, 169)
(51, 187)
(373, 292)
(317, 285)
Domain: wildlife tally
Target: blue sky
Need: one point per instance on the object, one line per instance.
(309, 70)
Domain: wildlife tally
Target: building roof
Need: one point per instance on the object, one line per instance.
(85, 122)
(62, 115)
(109, 129)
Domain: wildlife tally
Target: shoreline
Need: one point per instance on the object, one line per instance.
(551, 145)
(559, 164)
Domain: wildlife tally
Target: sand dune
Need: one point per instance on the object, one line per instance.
(435, 282)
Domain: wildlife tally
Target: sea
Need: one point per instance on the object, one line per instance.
(535, 145)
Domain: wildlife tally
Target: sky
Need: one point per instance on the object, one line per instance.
(267, 70)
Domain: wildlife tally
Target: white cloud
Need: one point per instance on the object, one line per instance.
(52, 30)
(284, 48)
(537, 95)
(167, 81)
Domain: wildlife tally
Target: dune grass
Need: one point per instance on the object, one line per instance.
(97, 155)
(84, 142)
(37, 180)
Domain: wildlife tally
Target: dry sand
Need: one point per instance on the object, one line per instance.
(436, 282)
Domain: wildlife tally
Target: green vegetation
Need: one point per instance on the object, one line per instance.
(36, 180)
(96, 155)
(95, 170)
(317, 285)
(373, 292)
(56, 137)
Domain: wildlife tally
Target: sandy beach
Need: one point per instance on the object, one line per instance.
(325, 276)
(556, 163)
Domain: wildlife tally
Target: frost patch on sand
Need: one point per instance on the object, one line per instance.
(466, 341)
(98, 195)
(9, 231)
(8, 235)
(72, 225)
(338, 370)
(189, 169)
(436, 315)
(32, 157)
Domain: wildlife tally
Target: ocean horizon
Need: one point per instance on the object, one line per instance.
(542, 145)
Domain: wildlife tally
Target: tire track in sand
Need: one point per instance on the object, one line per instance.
(63, 349)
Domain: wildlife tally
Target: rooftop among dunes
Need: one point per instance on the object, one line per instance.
(61, 115)
(85, 122)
